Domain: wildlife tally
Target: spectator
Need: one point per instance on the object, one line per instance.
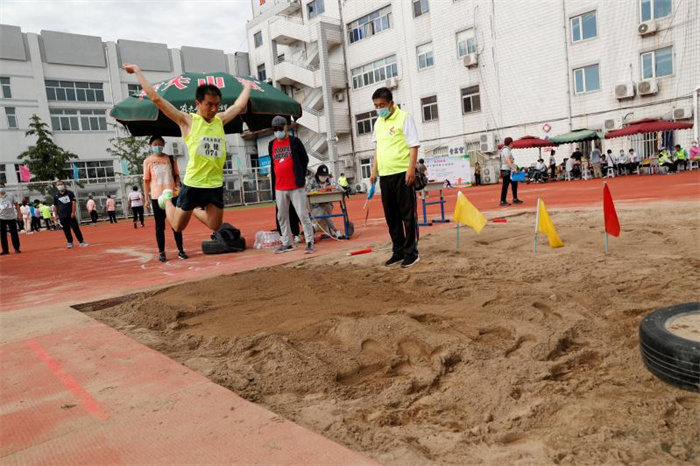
(595, 162)
(136, 203)
(694, 151)
(666, 160)
(26, 212)
(36, 216)
(111, 208)
(344, 185)
(46, 215)
(553, 165)
(577, 155)
(422, 169)
(9, 215)
(294, 223)
(622, 161)
(681, 156)
(321, 182)
(65, 205)
(160, 172)
(540, 170)
(610, 159)
(508, 167)
(92, 209)
(477, 174)
(569, 164)
(634, 161)
(289, 165)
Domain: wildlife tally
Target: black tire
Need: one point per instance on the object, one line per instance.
(217, 247)
(670, 357)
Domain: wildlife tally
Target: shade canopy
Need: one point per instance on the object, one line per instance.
(647, 125)
(143, 118)
(529, 142)
(578, 135)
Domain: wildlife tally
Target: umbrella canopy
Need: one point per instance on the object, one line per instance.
(142, 118)
(647, 125)
(529, 142)
(578, 135)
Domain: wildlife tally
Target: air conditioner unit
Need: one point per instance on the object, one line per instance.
(392, 83)
(349, 164)
(624, 91)
(613, 123)
(489, 175)
(684, 113)
(646, 28)
(176, 148)
(648, 87)
(470, 60)
(487, 142)
(339, 97)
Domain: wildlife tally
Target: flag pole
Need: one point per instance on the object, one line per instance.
(537, 222)
(606, 242)
(606, 229)
(458, 236)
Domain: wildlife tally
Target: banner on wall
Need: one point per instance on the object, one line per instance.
(264, 164)
(455, 168)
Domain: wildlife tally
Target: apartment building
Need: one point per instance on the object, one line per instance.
(71, 81)
(475, 71)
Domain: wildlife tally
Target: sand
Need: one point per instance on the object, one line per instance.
(487, 355)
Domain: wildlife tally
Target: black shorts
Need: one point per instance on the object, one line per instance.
(190, 198)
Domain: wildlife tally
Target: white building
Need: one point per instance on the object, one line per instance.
(475, 71)
(71, 81)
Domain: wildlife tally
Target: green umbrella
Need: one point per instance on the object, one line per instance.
(578, 135)
(142, 118)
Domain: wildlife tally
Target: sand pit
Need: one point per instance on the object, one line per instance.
(488, 355)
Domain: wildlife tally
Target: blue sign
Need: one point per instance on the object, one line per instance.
(264, 164)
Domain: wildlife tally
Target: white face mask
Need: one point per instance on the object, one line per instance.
(322, 179)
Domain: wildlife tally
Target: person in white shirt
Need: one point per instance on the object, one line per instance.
(26, 217)
(569, 166)
(540, 170)
(92, 209)
(553, 165)
(622, 160)
(633, 161)
(508, 167)
(136, 202)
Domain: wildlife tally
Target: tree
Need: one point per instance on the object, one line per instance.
(46, 160)
(132, 149)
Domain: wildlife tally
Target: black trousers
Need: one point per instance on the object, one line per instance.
(49, 224)
(12, 226)
(138, 214)
(553, 172)
(400, 204)
(112, 216)
(477, 179)
(159, 217)
(505, 174)
(93, 216)
(68, 224)
(293, 221)
(36, 224)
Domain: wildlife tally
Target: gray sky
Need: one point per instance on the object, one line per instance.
(216, 24)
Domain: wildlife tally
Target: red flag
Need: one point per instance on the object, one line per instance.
(24, 174)
(612, 224)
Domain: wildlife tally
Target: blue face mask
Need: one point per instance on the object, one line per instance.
(2, 190)
(280, 134)
(383, 112)
(157, 149)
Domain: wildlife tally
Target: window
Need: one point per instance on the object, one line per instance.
(471, 100)
(657, 63)
(257, 38)
(3, 175)
(315, 8)
(69, 91)
(366, 168)
(420, 7)
(587, 79)
(364, 122)
(262, 74)
(655, 9)
(78, 120)
(93, 170)
(11, 117)
(425, 55)
(430, 108)
(369, 25)
(6, 91)
(134, 89)
(466, 42)
(374, 72)
(584, 27)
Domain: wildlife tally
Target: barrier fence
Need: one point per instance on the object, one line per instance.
(244, 187)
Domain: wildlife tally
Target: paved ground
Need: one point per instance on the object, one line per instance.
(77, 392)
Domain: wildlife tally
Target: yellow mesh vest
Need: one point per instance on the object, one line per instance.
(393, 154)
(206, 147)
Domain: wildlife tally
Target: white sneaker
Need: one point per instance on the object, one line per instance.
(338, 234)
(166, 196)
(70, 245)
(84, 244)
(297, 239)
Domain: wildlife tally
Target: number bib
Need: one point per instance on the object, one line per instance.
(209, 147)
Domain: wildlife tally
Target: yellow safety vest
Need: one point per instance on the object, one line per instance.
(393, 153)
(681, 154)
(206, 146)
(664, 158)
(343, 181)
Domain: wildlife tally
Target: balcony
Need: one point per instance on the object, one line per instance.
(290, 72)
(288, 30)
(290, 6)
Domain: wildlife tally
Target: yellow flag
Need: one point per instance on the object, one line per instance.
(467, 214)
(545, 225)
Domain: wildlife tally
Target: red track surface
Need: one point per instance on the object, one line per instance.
(74, 391)
(121, 260)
